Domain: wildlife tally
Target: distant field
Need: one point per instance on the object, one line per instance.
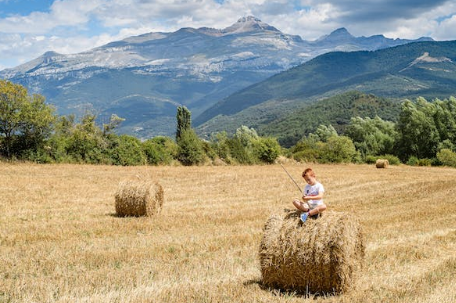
(61, 242)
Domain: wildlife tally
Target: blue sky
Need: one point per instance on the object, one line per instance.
(23, 7)
(29, 28)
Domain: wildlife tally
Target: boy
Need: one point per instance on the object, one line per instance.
(312, 196)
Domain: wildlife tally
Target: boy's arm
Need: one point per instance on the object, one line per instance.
(316, 197)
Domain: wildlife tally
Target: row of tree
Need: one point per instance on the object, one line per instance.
(424, 134)
(30, 130)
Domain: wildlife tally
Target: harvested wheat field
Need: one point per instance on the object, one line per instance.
(61, 240)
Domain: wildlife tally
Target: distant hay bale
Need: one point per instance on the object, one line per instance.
(219, 162)
(139, 198)
(382, 163)
(319, 256)
(284, 160)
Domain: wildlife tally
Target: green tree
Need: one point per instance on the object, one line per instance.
(372, 136)
(267, 149)
(114, 122)
(37, 123)
(60, 140)
(447, 157)
(238, 152)
(242, 145)
(323, 132)
(246, 135)
(25, 121)
(86, 142)
(159, 150)
(190, 148)
(418, 134)
(219, 144)
(444, 116)
(126, 151)
(307, 149)
(183, 117)
(338, 149)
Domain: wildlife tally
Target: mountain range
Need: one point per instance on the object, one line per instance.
(280, 105)
(144, 78)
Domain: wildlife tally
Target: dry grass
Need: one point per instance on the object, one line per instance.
(61, 241)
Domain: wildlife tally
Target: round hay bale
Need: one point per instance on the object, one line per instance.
(138, 198)
(219, 162)
(319, 256)
(381, 163)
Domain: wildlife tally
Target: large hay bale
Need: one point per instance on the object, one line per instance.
(319, 256)
(139, 198)
(381, 163)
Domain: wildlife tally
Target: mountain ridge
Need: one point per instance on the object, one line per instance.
(426, 69)
(193, 67)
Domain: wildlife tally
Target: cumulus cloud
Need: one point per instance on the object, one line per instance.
(393, 18)
(71, 26)
(446, 29)
(62, 13)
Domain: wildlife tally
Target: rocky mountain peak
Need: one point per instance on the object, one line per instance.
(248, 24)
(339, 35)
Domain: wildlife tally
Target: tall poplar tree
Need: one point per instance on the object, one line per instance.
(183, 121)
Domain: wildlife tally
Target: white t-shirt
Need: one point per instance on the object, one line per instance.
(314, 190)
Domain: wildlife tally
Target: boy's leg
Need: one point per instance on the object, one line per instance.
(300, 205)
(317, 210)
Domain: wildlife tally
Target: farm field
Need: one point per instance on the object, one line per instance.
(60, 240)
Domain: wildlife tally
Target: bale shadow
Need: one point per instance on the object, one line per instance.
(279, 292)
(115, 215)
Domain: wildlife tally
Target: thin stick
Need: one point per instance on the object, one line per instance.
(299, 188)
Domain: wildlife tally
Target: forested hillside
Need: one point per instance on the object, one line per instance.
(336, 111)
(421, 69)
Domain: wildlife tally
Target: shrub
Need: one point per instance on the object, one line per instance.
(412, 161)
(239, 152)
(307, 155)
(267, 149)
(207, 148)
(219, 144)
(338, 150)
(371, 159)
(424, 162)
(447, 157)
(159, 150)
(190, 149)
(127, 150)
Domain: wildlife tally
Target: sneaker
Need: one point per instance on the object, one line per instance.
(304, 217)
(315, 216)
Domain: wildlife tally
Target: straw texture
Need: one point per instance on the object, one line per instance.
(139, 198)
(319, 256)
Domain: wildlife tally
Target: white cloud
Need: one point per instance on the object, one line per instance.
(62, 13)
(316, 22)
(446, 29)
(71, 26)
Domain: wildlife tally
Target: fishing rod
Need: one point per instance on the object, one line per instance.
(299, 188)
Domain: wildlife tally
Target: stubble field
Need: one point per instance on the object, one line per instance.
(60, 240)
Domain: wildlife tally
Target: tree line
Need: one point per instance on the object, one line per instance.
(30, 130)
(424, 134)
